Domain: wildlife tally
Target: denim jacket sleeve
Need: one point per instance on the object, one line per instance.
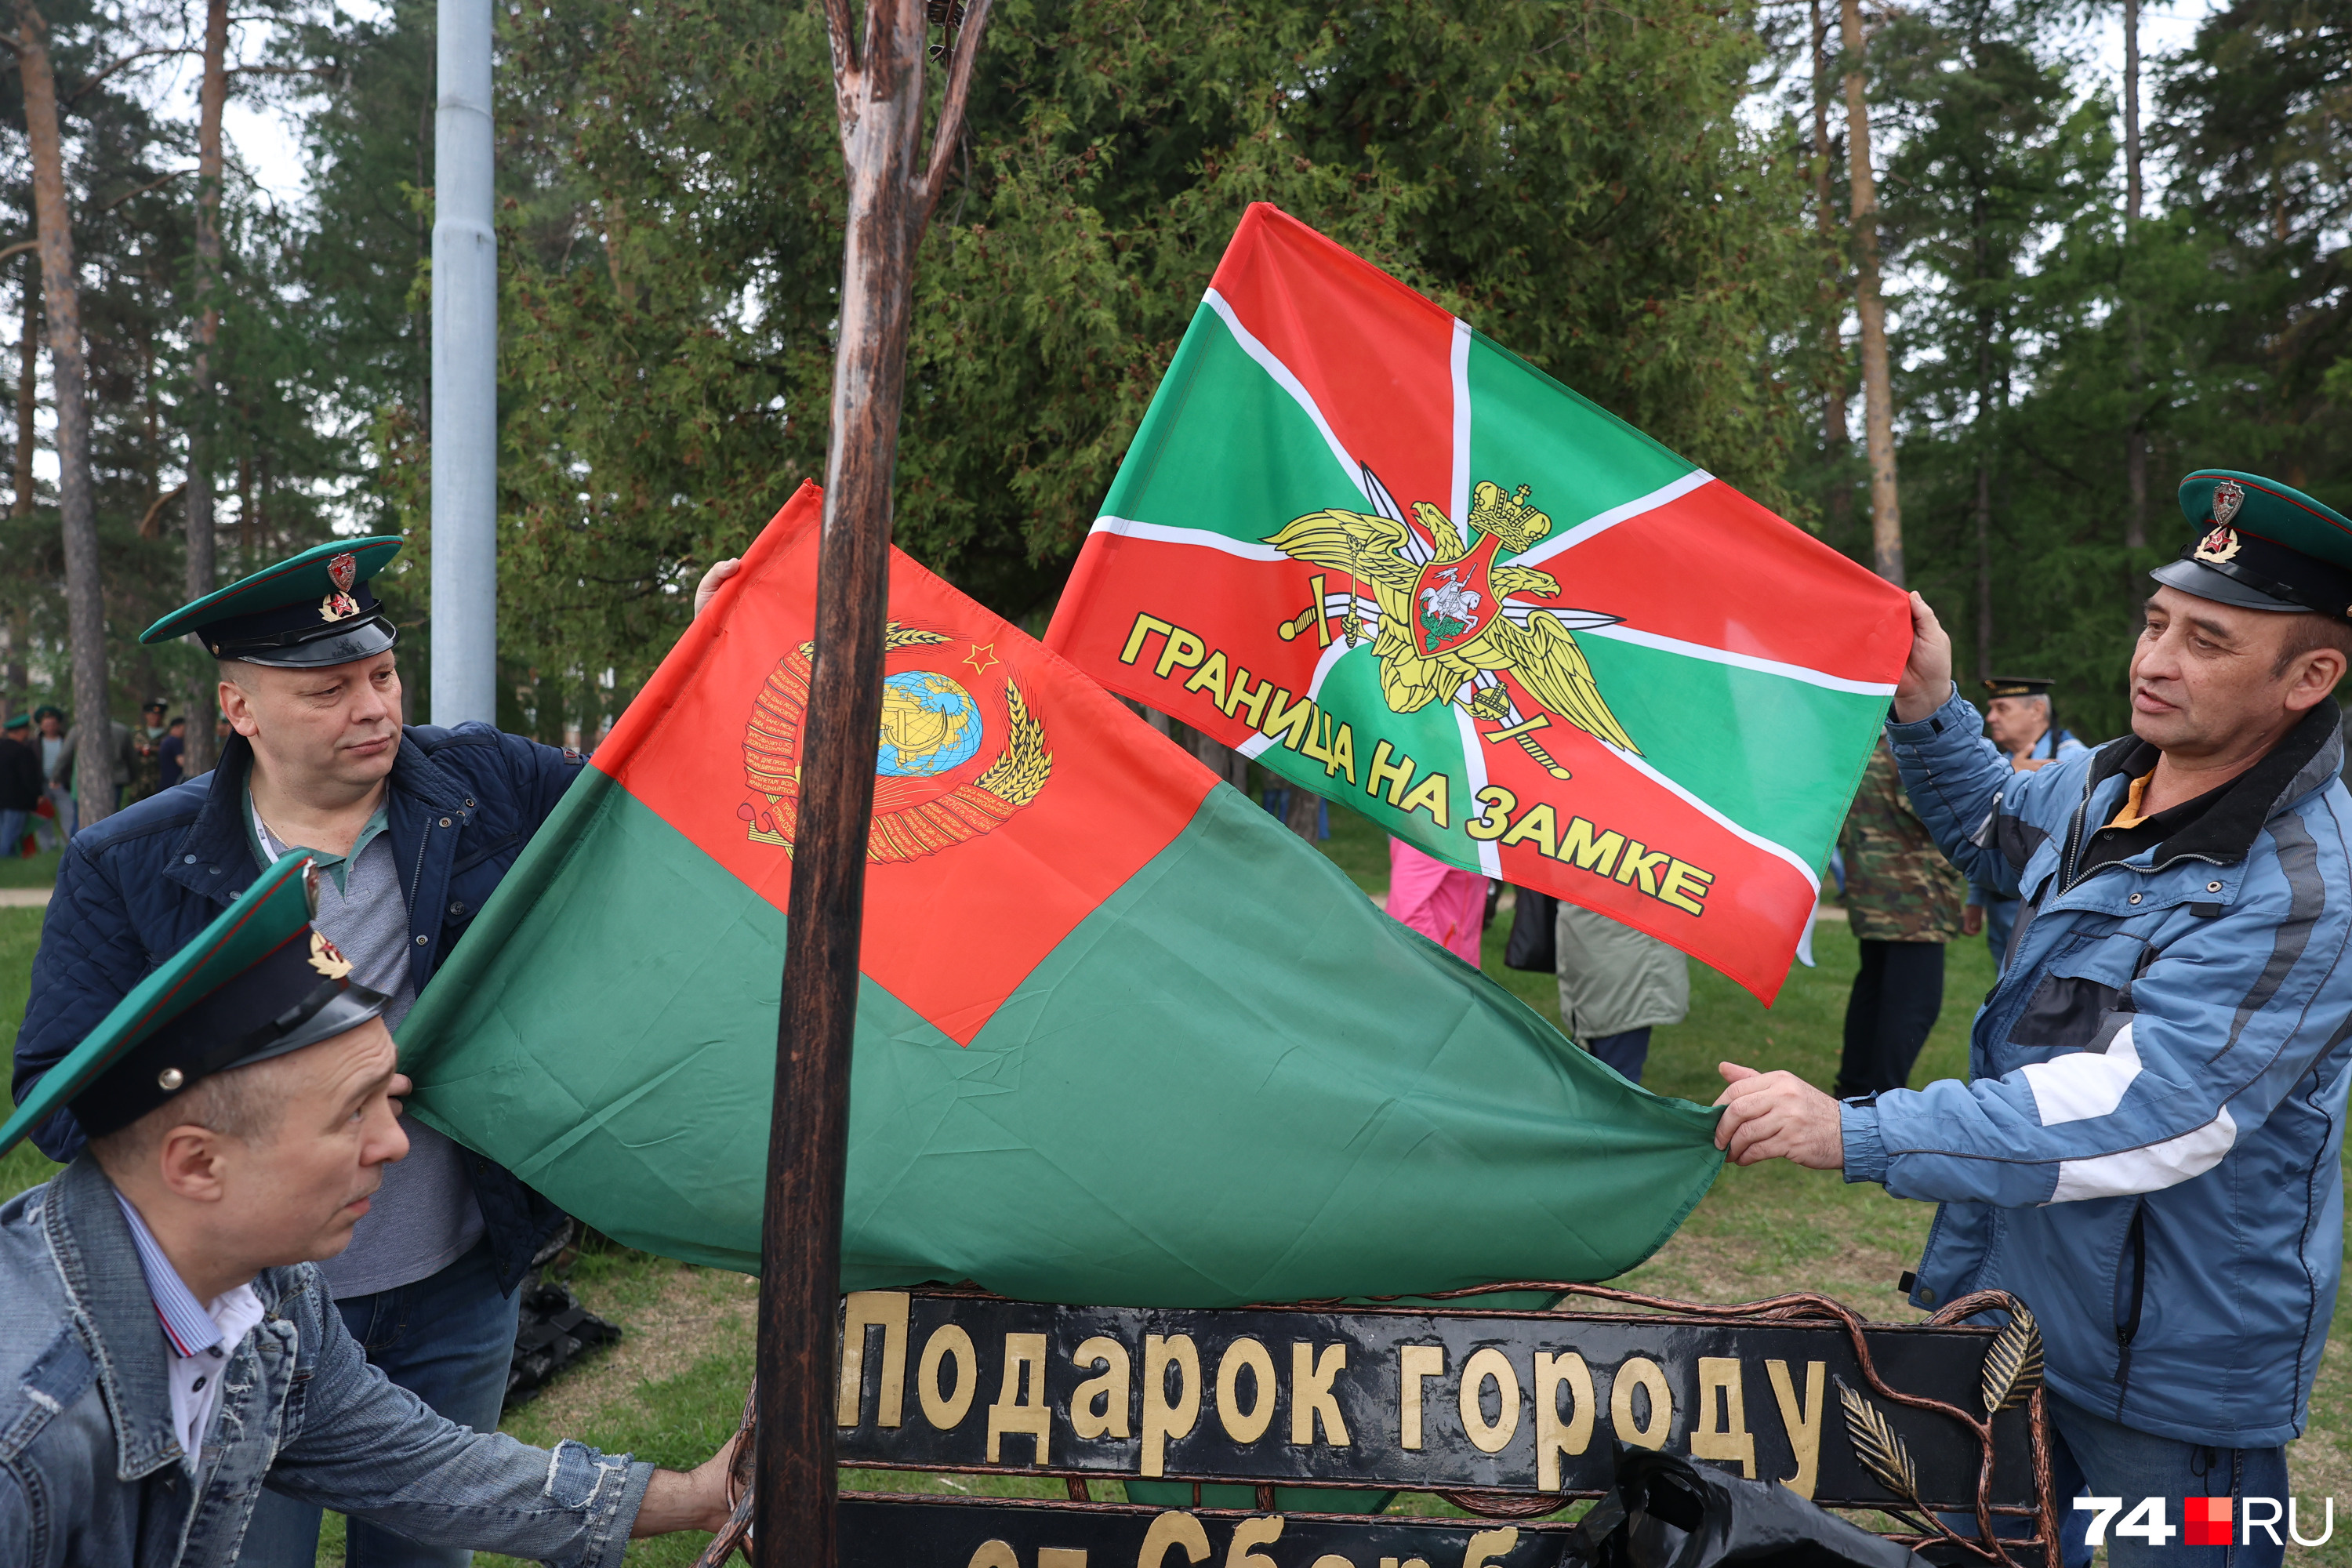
(20, 1531)
(372, 1449)
(2218, 1029)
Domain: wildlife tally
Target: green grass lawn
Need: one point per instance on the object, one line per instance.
(20, 935)
(672, 1390)
(29, 871)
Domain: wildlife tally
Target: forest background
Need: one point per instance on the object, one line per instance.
(1651, 199)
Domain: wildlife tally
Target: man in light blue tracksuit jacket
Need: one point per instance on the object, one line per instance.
(2146, 1151)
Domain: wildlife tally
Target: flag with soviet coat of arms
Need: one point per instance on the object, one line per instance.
(1121, 1037)
(1394, 563)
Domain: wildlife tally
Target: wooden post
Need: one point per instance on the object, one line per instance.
(893, 185)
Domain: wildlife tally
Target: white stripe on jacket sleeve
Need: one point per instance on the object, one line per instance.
(2081, 1085)
(2084, 1085)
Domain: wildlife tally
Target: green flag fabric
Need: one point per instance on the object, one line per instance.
(1122, 1038)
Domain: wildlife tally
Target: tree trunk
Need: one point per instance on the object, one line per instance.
(13, 682)
(213, 99)
(1837, 440)
(892, 188)
(28, 388)
(1222, 760)
(1303, 813)
(2135, 438)
(2131, 112)
(1987, 424)
(151, 468)
(12, 674)
(1984, 569)
(245, 555)
(422, 319)
(84, 592)
(1878, 385)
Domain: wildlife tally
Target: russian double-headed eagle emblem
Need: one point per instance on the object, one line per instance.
(1446, 620)
(932, 787)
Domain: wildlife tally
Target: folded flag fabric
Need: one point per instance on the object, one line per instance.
(1394, 563)
(1121, 1037)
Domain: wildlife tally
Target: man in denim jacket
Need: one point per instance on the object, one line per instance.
(169, 1345)
(2146, 1150)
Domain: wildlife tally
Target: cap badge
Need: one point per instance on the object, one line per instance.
(326, 958)
(2219, 545)
(2227, 497)
(345, 570)
(338, 606)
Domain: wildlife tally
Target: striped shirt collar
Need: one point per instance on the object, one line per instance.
(186, 1324)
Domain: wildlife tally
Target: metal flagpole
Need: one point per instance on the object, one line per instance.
(465, 372)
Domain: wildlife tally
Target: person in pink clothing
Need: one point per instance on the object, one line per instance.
(1445, 905)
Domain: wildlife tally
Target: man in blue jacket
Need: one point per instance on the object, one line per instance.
(413, 827)
(2146, 1152)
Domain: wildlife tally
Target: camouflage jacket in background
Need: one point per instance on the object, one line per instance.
(1898, 885)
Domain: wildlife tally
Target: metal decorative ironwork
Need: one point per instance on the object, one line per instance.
(2013, 1366)
(1880, 1448)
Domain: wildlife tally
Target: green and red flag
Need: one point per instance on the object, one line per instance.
(1396, 564)
(1121, 1037)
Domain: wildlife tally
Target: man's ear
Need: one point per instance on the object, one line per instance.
(2315, 676)
(193, 1163)
(235, 706)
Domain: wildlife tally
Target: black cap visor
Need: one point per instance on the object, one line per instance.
(281, 1003)
(134, 1086)
(332, 645)
(2192, 577)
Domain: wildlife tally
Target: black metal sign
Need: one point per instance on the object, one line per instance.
(923, 1533)
(1450, 1398)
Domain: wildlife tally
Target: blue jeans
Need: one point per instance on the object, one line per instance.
(12, 832)
(447, 1339)
(1626, 1052)
(2092, 1456)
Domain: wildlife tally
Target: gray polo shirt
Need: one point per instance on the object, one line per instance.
(424, 1216)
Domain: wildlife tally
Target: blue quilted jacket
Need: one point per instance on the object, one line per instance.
(2146, 1152)
(136, 887)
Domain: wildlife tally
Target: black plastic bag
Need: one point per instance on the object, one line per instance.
(1534, 939)
(1668, 1512)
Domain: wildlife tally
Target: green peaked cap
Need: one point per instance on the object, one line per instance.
(2261, 545)
(255, 983)
(310, 609)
